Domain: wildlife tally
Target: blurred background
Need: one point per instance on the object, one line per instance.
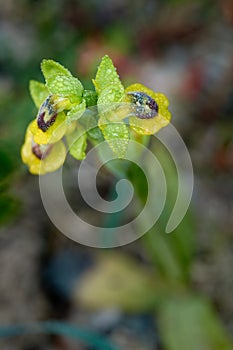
(167, 292)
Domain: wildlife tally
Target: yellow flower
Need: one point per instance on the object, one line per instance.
(53, 134)
(50, 125)
(42, 159)
(149, 111)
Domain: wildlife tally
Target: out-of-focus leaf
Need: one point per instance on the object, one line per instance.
(9, 207)
(162, 254)
(172, 253)
(7, 165)
(38, 91)
(118, 281)
(190, 323)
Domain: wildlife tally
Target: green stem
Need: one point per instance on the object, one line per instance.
(60, 328)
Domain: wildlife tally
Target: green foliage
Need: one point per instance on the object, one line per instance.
(77, 143)
(89, 121)
(7, 163)
(76, 112)
(111, 91)
(60, 81)
(90, 97)
(171, 253)
(52, 69)
(189, 322)
(108, 100)
(38, 91)
(117, 136)
(106, 75)
(67, 87)
(9, 208)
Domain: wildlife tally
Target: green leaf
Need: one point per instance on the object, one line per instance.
(60, 81)
(106, 75)
(52, 69)
(39, 92)
(77, 143)
(76, 112)
(115, 131)
(9, 208)
(110, 95)
(117, 136)
(8, 164)
(190, 323)
(90, 97)
(109, 103)
(67, 87)
(90, 123)
(173, 253)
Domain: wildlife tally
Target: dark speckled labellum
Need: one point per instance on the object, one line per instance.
(47, 114)
(144, 106)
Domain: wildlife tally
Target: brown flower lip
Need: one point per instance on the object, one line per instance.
(37, 151)
(144, 106)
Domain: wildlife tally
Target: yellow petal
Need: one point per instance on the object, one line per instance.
(27, 156)
(148, 126)
(50, 163)
(54, 133)
(152, 125)
(55, 158)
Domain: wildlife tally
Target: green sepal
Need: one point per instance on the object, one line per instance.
(76, 112)
(77, 143)
(117, 136)
(106, 75)
(39, 92)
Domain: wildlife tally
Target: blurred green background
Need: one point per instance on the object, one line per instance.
(168, 292)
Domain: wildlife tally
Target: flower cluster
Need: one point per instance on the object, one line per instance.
(65, 115)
